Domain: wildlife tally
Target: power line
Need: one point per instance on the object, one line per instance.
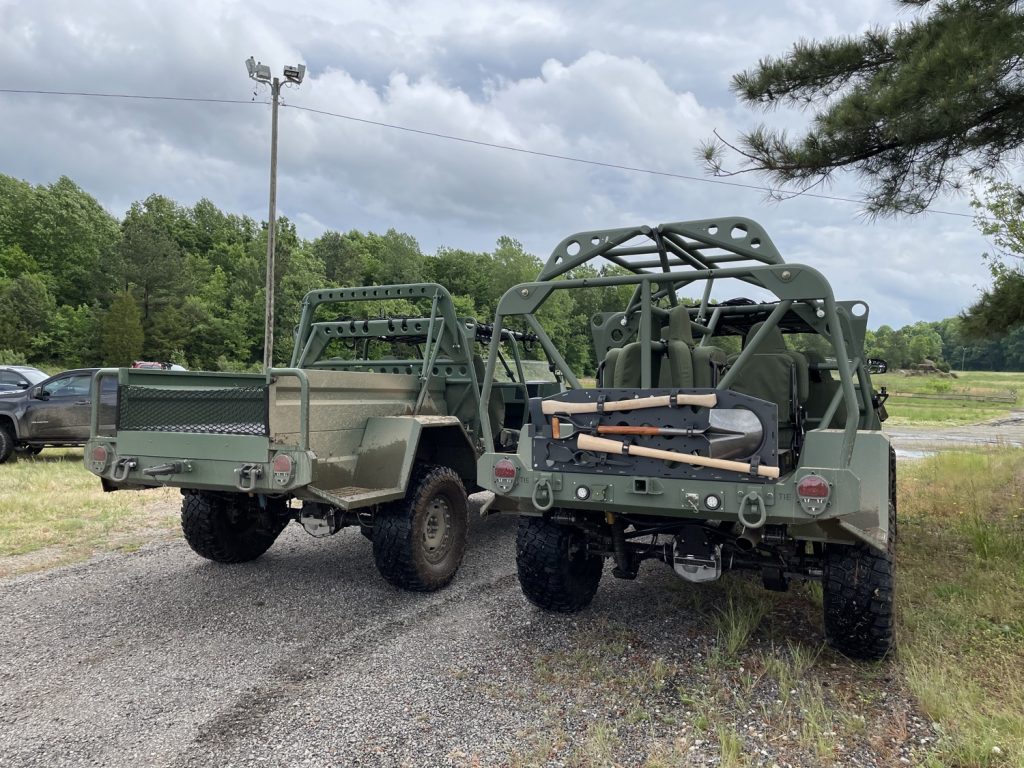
(136, 96)
(601, 164)
(479, 143)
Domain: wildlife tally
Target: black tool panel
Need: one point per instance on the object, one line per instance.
(699, 431)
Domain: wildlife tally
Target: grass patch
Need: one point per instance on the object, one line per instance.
(905, 410)
(961, 595)
(739, 618)
(730, 745)
(51, 506)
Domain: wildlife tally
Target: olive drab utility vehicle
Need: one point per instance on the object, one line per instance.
(722, 435)
(376, 423)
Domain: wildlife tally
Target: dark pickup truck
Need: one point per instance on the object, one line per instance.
(55, 412)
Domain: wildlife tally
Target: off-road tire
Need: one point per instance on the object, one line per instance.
(418, 542)
(230, 529)
(556, 572)
(6, 443)
(858, 597)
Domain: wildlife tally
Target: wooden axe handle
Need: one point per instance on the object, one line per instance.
(549, 407)
(604, 445)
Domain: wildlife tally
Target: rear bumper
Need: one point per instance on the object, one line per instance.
(232, 463)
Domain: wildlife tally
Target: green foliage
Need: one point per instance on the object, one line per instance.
(196, 278)
(26, 313)
(66, 235)
(912, 109)
(14, 262)
(121, 331)
(75, 334)
(1000, 309)
(10, 357)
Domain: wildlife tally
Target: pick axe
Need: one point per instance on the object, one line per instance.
(603, 445)
(549, 407)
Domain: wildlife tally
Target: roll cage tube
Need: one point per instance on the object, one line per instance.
(314, 299)
(796, 286)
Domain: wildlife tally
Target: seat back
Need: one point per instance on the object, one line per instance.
(822, 388)
(777, 375)
(628, 368)
(706, 362)
(775, 344)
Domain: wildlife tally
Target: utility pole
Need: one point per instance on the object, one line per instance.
(261, 74)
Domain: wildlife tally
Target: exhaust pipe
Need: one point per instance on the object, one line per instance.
(748, 540)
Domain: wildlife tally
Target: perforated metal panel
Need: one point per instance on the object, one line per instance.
(224, 411)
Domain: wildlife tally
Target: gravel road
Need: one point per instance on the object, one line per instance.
(306, 657)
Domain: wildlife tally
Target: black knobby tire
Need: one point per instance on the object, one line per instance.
(556, 571)
(858, 593)
(233, 529)
(418, 542)
(6, 443)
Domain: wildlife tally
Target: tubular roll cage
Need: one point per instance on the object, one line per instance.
(688, 252)
(445, 335)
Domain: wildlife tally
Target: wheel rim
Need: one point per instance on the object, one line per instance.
(437, 529)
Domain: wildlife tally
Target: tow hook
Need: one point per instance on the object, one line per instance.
(121, 469)
(171, 468)
(246, 476)
(752, 500)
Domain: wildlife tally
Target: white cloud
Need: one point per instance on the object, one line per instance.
(634, 83)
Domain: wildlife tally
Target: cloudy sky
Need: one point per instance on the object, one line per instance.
(634, 82)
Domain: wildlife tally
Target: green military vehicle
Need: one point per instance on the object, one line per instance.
(376, 423)
(722, 435)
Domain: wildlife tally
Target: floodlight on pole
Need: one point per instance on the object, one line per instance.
(260, 72)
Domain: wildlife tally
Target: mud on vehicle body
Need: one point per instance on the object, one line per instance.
(376, 423)
(740, 434)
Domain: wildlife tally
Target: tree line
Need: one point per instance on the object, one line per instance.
(186, 284)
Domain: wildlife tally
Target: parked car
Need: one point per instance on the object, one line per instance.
(157, 366)
(18, 377)
(53, 412)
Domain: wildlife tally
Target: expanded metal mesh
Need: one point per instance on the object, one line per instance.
(227, 411)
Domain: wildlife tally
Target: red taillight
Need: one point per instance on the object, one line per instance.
(504, 474)
(504, 469)
(283, 467)
(98, 458)
(813, 487)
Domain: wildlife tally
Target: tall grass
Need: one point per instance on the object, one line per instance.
(961, 594)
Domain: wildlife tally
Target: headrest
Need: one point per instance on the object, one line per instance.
(774, 342)
(679, 325)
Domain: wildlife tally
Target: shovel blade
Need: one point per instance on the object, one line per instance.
(733, 433)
